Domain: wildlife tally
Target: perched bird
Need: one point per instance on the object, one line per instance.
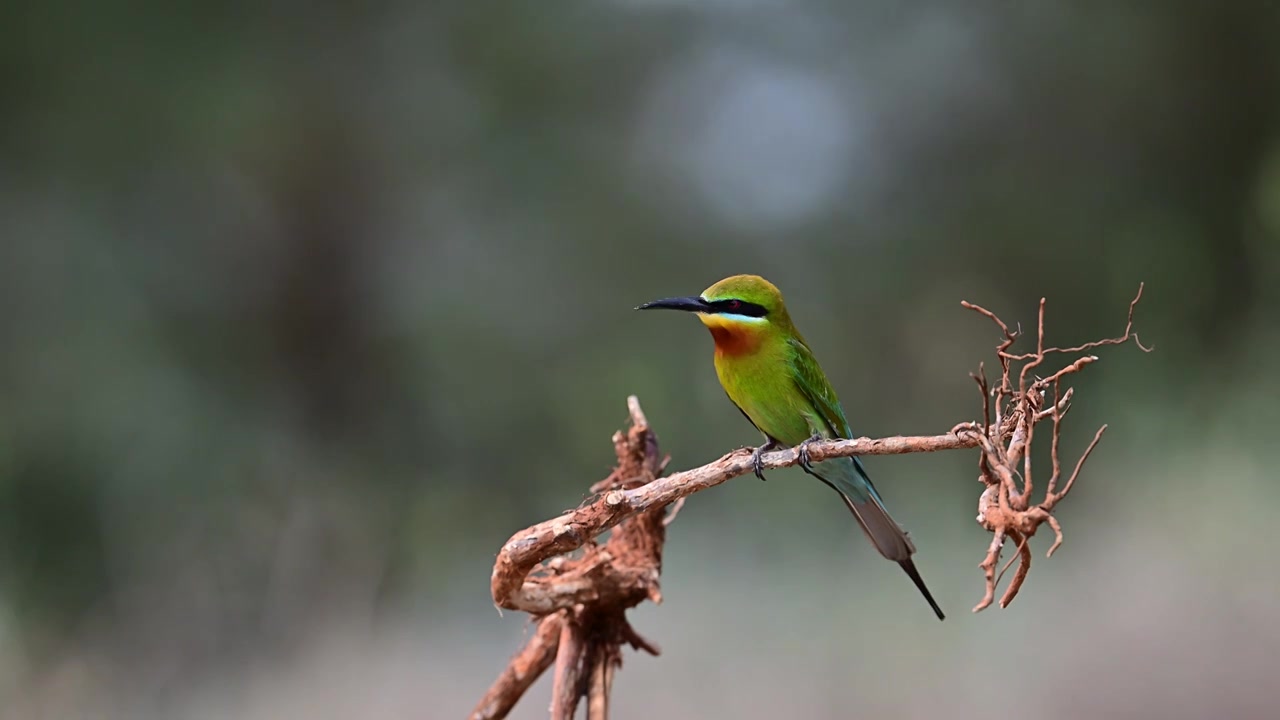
(769, 373)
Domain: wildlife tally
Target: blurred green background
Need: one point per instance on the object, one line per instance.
(304, 310)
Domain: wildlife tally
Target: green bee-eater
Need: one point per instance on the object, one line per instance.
(768, 371)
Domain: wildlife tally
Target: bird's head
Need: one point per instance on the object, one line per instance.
(740, 304)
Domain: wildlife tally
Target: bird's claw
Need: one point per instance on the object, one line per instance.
(803, 452)
(757, 463)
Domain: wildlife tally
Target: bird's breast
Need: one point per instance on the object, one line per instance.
(760, 383)
(734, 342)
(733, 337)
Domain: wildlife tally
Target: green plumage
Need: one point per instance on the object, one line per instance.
(771, 375)
(793, 405)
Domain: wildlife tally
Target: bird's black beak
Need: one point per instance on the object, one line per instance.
(688, 304)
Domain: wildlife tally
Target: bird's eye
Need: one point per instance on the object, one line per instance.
(734, 304)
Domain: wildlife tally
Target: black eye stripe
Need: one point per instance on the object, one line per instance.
(733, 306)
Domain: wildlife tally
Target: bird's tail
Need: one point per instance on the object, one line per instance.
(847, 477)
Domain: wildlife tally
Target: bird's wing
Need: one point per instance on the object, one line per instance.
(848, 477)
(813, 385)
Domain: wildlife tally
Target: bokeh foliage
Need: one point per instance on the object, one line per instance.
(304, 310)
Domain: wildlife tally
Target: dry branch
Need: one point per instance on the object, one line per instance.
(1005, 507)
(582, 601)
(512, 590)
(524, 668)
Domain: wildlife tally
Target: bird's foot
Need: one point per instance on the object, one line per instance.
(803, 452)
(756, 462)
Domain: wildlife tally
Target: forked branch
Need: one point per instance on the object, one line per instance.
(581, 601)
(1007, 508)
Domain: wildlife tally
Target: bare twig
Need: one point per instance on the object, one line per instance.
(1006, 508)
(567, 685)
(525, 667)
(1076, 473)
(1057, 535)
(1019, 575)
(1122, 339)
(601, 685)
(635, 640)
(675, 510)
(989, 568)
(1021, 543)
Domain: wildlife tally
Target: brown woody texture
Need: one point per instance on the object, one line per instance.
(579, 602)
